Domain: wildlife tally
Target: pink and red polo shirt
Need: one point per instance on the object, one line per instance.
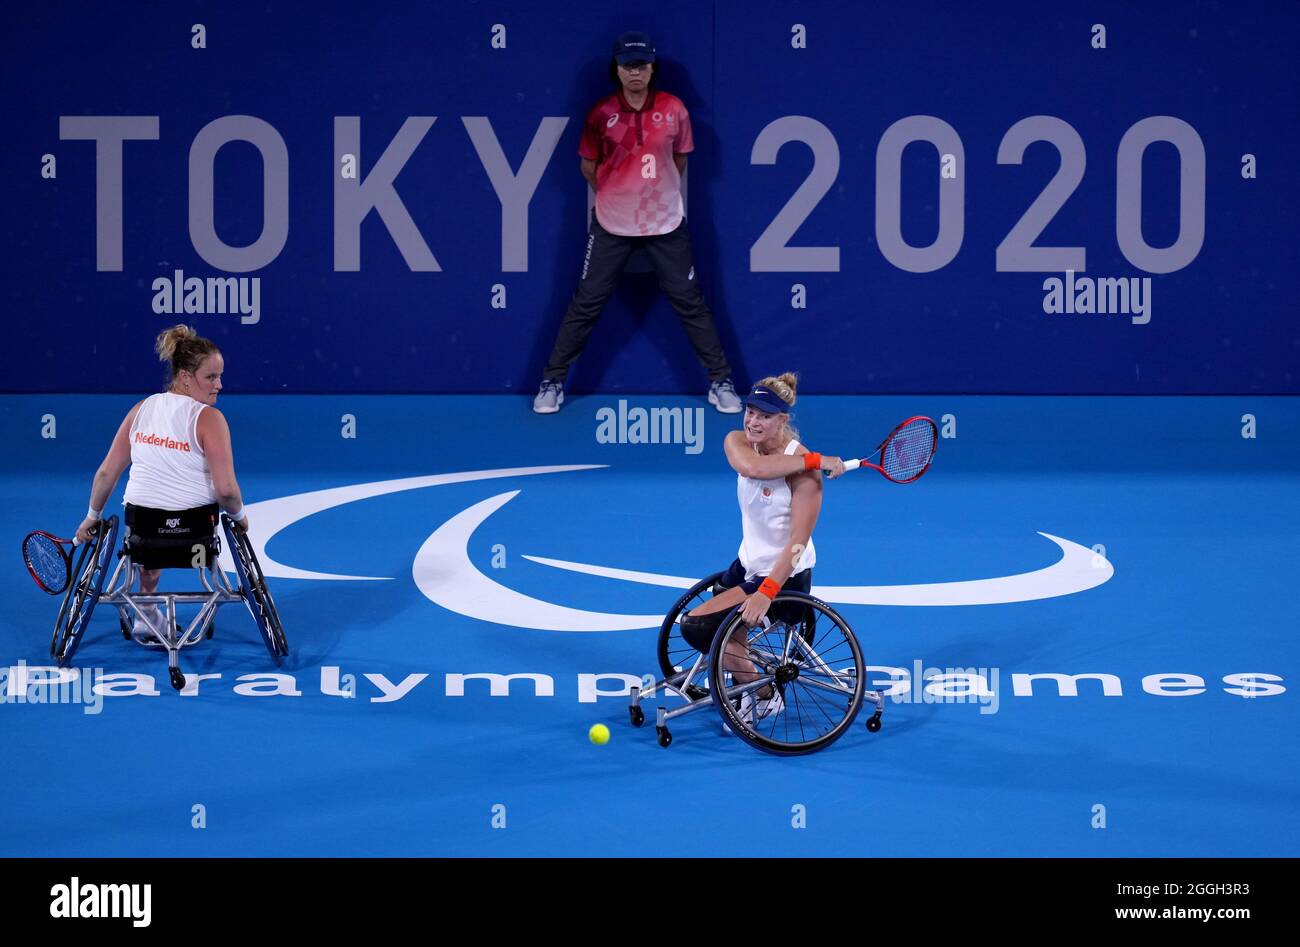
(638, 189)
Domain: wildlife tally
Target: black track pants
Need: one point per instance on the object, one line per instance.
(670, 255)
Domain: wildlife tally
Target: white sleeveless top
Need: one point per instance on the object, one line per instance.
(168, 468)
(765, 520)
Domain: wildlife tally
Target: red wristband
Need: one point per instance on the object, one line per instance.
(769, 588)
(812, 460)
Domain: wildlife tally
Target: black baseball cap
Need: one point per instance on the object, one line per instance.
(634, 47)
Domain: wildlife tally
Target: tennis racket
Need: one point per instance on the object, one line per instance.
(48, 561)
(906, 453)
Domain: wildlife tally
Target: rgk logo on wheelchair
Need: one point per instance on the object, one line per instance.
(199, 550)
(803, 656)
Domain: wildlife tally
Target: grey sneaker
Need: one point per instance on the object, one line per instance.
(549, 397)
(722, 395)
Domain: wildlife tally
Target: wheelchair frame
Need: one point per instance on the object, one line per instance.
(688, 682)
(88, 591)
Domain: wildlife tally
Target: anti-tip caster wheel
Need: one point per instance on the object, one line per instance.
(665, 738)
(637, 715)
(177, 677)
(873, 723)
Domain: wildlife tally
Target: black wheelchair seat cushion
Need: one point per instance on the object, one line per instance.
(698, 630)
(166, 539)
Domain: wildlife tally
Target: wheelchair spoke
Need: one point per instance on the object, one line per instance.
(802, 650)
(794, 698)
(740, 690)
(793, 710)
(811, 694)
(820, 663)
(836, 685)
(763, 657)
(811, 657)
(818, 637)
(804, 720)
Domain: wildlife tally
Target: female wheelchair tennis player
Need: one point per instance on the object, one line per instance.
(782, 667)
(182, 474)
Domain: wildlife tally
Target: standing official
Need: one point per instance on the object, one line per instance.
(634, 148)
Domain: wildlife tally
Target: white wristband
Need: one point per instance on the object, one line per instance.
(238, 516)
(94, 514)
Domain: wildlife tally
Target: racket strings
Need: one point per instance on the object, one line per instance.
(47, 561)
(909, 449)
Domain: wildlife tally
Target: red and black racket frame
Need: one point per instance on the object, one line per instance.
(866, 462)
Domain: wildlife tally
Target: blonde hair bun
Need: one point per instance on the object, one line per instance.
(183, 349)
(783, 386)
(168, 339)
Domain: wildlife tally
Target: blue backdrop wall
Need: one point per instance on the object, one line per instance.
(868, 204)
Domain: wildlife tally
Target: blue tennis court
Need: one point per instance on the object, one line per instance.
(400, 561)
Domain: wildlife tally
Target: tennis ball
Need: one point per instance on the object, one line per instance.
(598, 734)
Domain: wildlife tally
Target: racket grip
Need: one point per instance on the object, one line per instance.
(852, 464)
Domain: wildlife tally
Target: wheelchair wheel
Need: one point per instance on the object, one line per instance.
(674, 653)
(809, 656)
(257, 596)
(90, 572)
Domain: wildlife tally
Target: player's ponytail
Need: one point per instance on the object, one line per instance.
(183, 349)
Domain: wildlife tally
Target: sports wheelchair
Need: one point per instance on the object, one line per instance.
(802, 648)
(86, 590)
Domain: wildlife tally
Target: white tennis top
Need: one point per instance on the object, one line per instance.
(168, 468)
(765, 521)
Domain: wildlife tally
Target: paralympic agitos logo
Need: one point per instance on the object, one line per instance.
(445, 573)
